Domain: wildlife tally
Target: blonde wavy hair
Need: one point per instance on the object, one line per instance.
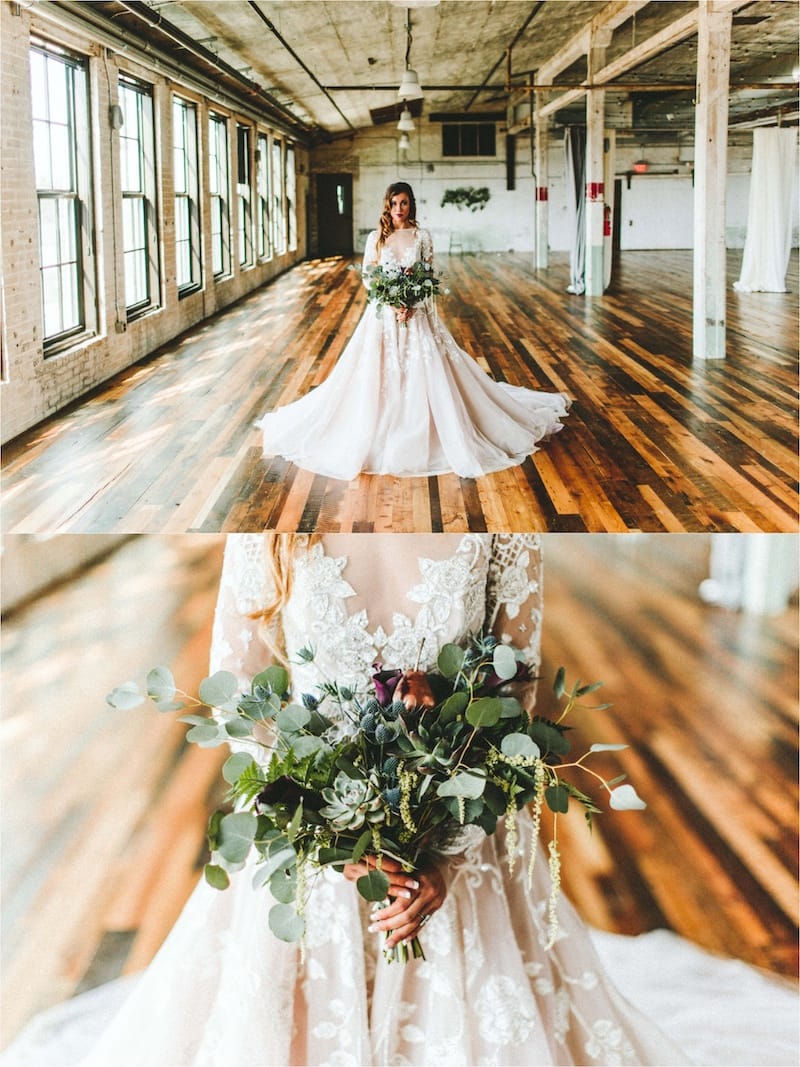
(385, 224)
(280, 550)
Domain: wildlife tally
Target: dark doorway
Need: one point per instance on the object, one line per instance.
(335, 214)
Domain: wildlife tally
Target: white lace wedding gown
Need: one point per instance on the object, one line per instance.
(406, 400)
(223, 990)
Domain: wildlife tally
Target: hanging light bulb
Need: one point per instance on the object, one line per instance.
(406, 123)
(404, 144)
(410, 88)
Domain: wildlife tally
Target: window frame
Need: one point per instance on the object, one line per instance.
(290, 182)
(188, 194)
(263, 197)
(219, 227)
(244, 196)
(279, 234)
(450, 128)
(74, 205)
(145, 195)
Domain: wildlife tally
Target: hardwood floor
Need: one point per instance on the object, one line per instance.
(104, 812)
(655, 441)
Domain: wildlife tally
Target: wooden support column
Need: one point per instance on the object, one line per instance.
(595, 183)
(541, 139)
(710, 178)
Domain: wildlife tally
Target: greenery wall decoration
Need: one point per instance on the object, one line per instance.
(467, 196)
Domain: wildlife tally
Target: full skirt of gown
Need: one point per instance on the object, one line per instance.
(222, 989)
(408, 401)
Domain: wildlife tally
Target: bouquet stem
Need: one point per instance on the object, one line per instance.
(403, 952)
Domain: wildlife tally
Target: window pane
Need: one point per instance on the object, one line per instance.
(38, 86)
(70, 306)
(41, 155)
(51, 301)
(68, 230)
(58, 96)
(48, 232)
(62, 157)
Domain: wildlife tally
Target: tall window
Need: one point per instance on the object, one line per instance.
(61, 152)
(262, 194)
(218, 186)
(137, 167)
(278, 203)
(244, 195)
(187, 196)
(291, 197)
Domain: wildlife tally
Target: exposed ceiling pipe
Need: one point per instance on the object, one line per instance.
(156, 19)
(274, 30)
(531, 14)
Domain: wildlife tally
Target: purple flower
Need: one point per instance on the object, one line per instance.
(385, 683)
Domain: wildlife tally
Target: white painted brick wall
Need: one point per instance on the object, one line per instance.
(34, 387)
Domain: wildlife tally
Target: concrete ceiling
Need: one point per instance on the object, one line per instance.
(331, 63)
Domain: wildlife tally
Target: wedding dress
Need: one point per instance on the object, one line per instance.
(223, 990)
(406, 400)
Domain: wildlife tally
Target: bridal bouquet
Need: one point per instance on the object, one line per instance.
(339, 776)
(404, 287)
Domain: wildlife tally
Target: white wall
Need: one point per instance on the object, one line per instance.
(657, 209)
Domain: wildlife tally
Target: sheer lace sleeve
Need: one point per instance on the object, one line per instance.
(514, 594)
(236, 644)
(370, 256)
(426, 248)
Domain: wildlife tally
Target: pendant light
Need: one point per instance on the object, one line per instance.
(406, 123)
(410, 88)
(404, 144)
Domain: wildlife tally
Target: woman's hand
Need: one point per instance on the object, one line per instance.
(403, 314)
(414, 897)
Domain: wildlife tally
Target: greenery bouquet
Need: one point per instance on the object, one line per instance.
(395, 772)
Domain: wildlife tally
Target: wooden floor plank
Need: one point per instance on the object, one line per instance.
(656, 441)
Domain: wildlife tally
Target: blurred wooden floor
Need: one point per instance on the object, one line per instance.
(104, 812)
(655, 440)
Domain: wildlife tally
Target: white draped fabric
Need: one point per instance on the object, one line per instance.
(769, 215)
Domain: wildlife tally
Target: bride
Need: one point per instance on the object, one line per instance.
(404, 399)
(223, 989)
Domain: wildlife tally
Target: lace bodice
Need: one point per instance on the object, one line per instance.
(394, 599)
(401, 249)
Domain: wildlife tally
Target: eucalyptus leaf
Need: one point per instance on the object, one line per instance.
(625, 798)
(170, 705)
(454, 706)
(373, 886)
(219, 689)
(216, 876)
(306, 745)
(195, 720)
(450, 660)
(294, 825)
(292, 719)
(558, 685)
(236, 834)
(510, 708)
(549, 739)
(238, 727)
(285, 923)
(126, 696)
(212, 833)
(160, 684)
(504, 662)
(361, 846)
(485, 711)
(519, 745)
(608, 748)
(275, 678)
(235, 765)
(283, 886)
(462, 784)
(557, 798)
(204, 735)
(584, 690)
(334, 856)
